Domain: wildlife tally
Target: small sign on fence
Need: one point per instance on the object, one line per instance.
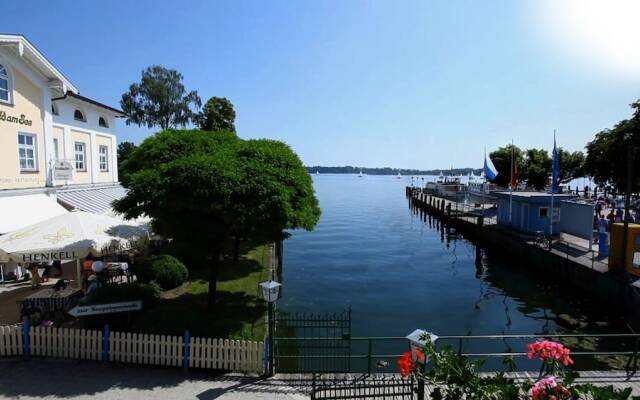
(94, 309)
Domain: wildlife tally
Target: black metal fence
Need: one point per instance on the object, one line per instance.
(371, 355)
(312, 342)
(363, 387)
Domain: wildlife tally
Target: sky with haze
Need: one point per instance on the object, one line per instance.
(405, 84)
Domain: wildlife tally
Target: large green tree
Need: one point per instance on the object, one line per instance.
(160, 100)
(124, 151)
(607, 154)
(217, 115)
(571, 165)
(502, 161)
(537, 168)
(206, 189)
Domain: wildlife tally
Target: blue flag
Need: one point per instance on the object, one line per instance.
(490, 170)
(555, 172)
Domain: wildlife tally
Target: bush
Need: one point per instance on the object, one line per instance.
(149, 293)
(167, 271)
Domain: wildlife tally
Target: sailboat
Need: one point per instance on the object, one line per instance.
(317, 172)
(360, 175)
(399, 175)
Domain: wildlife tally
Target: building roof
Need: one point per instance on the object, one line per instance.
(119, 113)
(95, 199)
(534, 195)
(28, 51)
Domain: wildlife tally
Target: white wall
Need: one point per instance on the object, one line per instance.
(65, 120)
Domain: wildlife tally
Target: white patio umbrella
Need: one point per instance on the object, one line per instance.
(72, 236)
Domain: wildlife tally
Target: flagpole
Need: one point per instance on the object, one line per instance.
(553, 182)
(511, 187)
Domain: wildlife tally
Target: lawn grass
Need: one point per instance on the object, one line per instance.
(240, 310)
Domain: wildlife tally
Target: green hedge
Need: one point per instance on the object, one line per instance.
(165, 270)
(149, 293)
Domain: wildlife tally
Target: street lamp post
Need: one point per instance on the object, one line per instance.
(270, 292)
(418, 339)
(627, 201)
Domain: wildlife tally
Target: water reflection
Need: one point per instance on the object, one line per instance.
(400, 269)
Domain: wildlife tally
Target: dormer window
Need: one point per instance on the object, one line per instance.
(79, 116)
(54, 109)
(103, 122)
(5, 88)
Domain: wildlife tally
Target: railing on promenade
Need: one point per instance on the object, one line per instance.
(594, 351)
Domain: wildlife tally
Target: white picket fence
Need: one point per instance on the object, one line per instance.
(234, 355)
(11, 340)
(146, 349)
(80, 344)
(135, 348)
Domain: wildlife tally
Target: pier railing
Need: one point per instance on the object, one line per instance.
(379, 354)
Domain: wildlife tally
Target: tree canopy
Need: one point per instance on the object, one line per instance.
(502, 161)
(160, 100)
(537, 168)
(607, 159)
(571, 165)
(218, 115)
(124, 151)
(205, 189)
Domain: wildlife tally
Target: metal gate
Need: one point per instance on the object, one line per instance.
(312, 342)
(387, 387)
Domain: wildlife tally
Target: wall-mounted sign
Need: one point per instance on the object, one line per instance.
(21, 120)
(62, 170)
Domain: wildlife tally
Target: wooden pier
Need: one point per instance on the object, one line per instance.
(568, 262)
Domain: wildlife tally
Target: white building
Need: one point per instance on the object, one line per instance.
(57, 147)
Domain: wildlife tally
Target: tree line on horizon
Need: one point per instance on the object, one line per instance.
(610, 159)
(348, 169)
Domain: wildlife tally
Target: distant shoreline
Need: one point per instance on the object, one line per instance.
(392, 171)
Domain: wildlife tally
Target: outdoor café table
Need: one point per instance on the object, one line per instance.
(51, 299)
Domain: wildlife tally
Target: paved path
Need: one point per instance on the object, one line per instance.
(42, 379)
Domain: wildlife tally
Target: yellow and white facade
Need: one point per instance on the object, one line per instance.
(44, 119)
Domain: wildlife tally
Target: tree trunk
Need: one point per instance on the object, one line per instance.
(236, 250)
(213, 279)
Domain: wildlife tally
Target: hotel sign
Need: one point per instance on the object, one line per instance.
(22, 120)
(62, 170)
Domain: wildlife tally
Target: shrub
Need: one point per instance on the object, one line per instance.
(167, 271)
(149, 293)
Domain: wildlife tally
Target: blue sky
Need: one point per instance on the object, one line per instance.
(410, 84)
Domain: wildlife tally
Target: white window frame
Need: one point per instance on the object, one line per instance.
(104, 163)
(84, 115)
(106, 122)
(7, 76)
(55, 148)
(33, 147)
(82, 153)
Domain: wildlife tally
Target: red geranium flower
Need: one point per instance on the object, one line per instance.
(406, 364)
(546, 350)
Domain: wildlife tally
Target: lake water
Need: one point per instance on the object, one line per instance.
(398, 272)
